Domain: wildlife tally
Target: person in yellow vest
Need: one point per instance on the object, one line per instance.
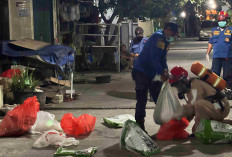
(203, 100)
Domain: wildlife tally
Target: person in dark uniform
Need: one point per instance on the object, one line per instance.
(137, 44)
(221, 42)
(150, 63)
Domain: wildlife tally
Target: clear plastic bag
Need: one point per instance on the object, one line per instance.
(45, 121)
(167, 105)
(53, 137)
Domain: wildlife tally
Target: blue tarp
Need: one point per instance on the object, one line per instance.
(54, 54)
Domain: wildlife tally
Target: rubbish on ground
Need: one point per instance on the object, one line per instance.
(53, 137)
(211, 131)
(57, 99)
(167, 105)
(19, 120)
(81, 125)
(118, 121)
(61, 82)
(133, 138)
(45, 121)
(174, 129)
(77, 153)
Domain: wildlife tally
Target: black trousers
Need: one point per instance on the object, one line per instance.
(142, 84)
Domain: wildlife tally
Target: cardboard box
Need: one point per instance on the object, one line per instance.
(30, 43)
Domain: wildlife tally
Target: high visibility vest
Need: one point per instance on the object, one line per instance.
(208, 76)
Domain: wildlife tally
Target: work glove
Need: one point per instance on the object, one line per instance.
(207, 57)
(165, 75)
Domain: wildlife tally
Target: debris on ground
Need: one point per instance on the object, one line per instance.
(118, 121)
(55, 138)
(211, 131)
(77, 153)
(133, 138)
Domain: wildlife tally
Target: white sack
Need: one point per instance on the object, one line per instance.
(167, 105)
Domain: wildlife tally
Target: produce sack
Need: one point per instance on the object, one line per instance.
(45, 121)
(211, 131)
(118, 121)
(133, 138)
(174, 129)
(167, 105)
(19, 120)
(54, 138)
(77, 153)
(73, 126)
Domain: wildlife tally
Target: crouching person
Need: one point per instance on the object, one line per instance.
(203, 100)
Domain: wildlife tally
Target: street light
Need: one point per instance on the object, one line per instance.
(212, 4)
(183, 15)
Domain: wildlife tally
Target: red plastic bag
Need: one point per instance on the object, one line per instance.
(174, 129)
(18, 121)
(10, 73)
(73, 126)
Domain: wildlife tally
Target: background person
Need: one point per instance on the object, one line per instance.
(126, 61)
(221, 42)
(138, 42)
(150, 63)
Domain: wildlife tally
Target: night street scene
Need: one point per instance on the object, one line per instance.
(115, 78)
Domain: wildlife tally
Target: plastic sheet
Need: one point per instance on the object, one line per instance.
(53, 137)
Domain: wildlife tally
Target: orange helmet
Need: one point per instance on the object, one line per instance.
(222, 16)
(177, 73)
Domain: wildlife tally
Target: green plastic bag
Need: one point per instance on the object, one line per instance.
(118, 121)
(76, 153)
(211, 131)
(133, 138)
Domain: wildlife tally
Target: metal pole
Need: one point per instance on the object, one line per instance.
(119, 47)
(71, 84)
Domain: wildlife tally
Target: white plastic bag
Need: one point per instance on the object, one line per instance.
(167, 105)
(53, 137)
(45, 121)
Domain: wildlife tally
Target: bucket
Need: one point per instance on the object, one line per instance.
(20, 97)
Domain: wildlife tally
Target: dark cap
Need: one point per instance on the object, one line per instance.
(173, 26)
(139, 31)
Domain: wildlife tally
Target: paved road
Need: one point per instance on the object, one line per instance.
(117, 97)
